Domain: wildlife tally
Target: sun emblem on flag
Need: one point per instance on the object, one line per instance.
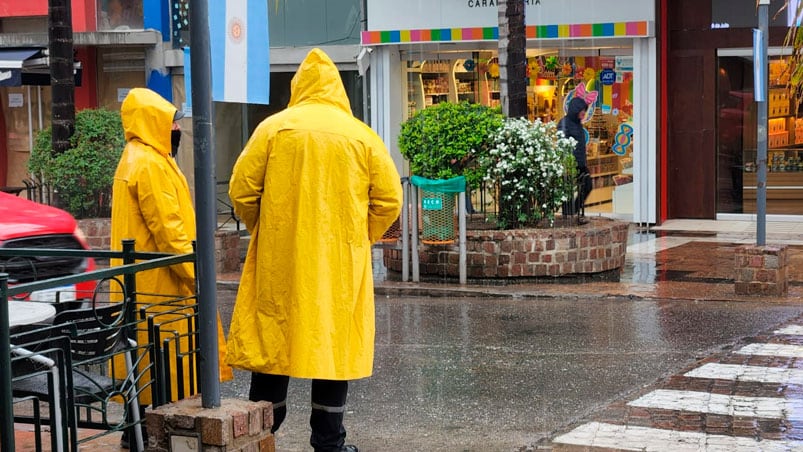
(236, 30)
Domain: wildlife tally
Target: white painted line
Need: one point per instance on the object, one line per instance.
(622, 437)
(780, 350)
(792, 330)
(705, 402)
(739, 372)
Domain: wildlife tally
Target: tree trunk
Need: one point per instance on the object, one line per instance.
(512, 58)
(62, 80)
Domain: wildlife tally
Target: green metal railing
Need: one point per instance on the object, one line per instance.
(133, 263)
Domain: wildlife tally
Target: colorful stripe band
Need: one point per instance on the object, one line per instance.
(602, 30)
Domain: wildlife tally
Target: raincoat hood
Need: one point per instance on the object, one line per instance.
(318, 80)
(148, 118)
(576, 105)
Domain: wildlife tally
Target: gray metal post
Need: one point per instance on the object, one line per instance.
(761, 158)
(7, 430)
(204, 151)
(414, 234)
(461, 213)
(405, 229)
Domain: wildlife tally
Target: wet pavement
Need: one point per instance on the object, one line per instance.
(567, 366)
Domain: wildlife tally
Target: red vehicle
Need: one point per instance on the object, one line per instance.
(27, 224)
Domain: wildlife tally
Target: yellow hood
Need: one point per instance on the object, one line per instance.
(318, 80)
(148, 118)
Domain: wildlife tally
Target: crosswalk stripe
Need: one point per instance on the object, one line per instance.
(597, 434)
(792, 330)
(705, 402)
(740, 372)
(780, 350)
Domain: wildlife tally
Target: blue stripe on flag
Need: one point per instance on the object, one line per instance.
(258, 53)
(217, 44)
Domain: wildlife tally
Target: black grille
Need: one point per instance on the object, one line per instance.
(22, 269)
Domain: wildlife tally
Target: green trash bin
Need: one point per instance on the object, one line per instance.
(438, 207)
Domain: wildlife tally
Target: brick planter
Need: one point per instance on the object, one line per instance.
(595, 249)
(761, 270)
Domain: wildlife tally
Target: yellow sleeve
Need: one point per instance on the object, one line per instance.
(385, 192)
(248, 180)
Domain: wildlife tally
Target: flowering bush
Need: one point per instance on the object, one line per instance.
(533, 169)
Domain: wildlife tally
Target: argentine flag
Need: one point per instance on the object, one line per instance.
(238, 35)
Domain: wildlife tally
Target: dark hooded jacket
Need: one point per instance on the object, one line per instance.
(571, 127)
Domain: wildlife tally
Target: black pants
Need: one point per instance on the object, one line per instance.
(328, 406)
(584, 187)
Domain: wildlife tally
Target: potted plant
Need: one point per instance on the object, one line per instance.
(533, 169)
(443, 142)
(82, 176)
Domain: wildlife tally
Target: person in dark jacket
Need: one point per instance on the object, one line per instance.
(571, 126)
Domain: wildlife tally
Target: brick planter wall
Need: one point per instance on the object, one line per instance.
(98, 232)
(761, 270)
(597, 247)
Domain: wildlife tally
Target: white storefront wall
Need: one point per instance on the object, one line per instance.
(430, 26)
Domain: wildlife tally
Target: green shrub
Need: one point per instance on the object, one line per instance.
(444, 141)
(83, 175)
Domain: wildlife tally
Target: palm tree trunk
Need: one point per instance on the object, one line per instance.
(512, 58)
(62, 80)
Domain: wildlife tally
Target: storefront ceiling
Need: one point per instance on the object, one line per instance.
(27, 66)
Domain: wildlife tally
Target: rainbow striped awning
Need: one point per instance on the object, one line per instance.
(635, 29)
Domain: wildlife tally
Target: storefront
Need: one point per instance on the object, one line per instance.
(709, 166)
(446, 51)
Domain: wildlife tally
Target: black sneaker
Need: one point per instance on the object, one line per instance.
(349, 448)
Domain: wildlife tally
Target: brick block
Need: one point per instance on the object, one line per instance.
(216, 430)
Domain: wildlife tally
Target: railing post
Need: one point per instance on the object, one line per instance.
(7, 432)
(414, 235)
(461, 213)
(405, 229)
(129, 285)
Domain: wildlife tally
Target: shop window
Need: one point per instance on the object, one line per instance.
(552, 79)
(737, 140)
(119, 15)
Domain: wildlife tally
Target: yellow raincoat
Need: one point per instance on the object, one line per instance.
(315, 188)
(151, 204)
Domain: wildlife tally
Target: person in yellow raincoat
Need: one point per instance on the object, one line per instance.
(151, 204)
(315, 187)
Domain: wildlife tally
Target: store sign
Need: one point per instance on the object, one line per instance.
(607, 77)
(449, 14)
(432, 203)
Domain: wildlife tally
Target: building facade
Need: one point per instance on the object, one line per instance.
(421, 54)
(708, 147)
(122, 44)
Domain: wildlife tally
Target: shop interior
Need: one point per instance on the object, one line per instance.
(738, 143)
(604, 76)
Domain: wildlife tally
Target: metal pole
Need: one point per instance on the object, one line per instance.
(761, 159)
(461, 212)
(7, 432)
(200, 59)
(414, 235)
(405, 227)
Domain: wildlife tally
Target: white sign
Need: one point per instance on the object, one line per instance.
(121, 93)
(15, 100)
(431, 14)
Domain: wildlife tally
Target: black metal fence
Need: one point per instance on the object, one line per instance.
(93, 362)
